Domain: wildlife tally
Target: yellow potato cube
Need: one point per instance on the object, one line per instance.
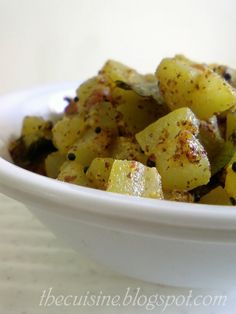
(67, 131)
(217, 196)
(184, 83)
(53, 163)
(34, 128)
(179, 156)
(127, 148)
(133, 178)
(98, 172)
(90, 146)
(73, 172)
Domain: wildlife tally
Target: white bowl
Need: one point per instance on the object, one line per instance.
(158, 241)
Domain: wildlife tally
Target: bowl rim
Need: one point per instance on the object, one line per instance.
(26, 183)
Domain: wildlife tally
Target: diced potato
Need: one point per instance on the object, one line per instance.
(230, 180)
(116, 71)
(67, 131)
(152, 183)
(210, 137)
(180, 158)
(133, 94)
(131, 133)
(53, 163)
(178, 196)
(168, 126)
(119, 75)
(127, 148)
(133, 178)
(230, 125)
(217, 196)
(91, 92)
(35, 128)
(104, 116)
(90, 146)
(137, 112)
(73, 172)
(85, 89)
(98, 172)
(126, 78)
(184, 83)
(36, 124)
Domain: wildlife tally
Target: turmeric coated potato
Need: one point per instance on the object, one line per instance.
(170, 134)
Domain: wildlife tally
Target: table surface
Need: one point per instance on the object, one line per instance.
(33, 260)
